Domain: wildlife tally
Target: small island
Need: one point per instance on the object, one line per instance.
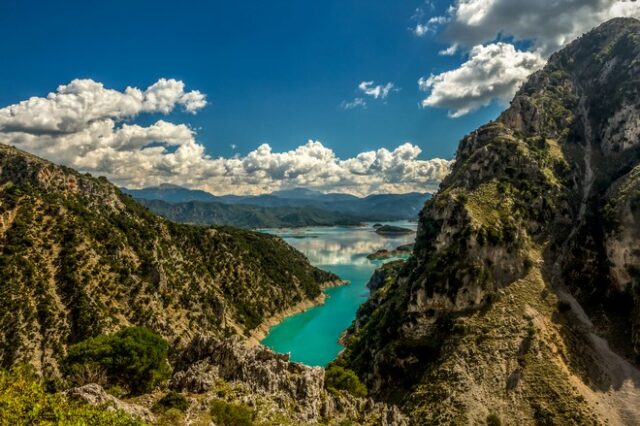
(382, 254)
(390, 230)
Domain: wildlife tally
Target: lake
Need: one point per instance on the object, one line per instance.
(311, 337)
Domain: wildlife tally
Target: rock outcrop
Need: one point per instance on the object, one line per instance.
(293, 390)
(94, 394)
(525, 260)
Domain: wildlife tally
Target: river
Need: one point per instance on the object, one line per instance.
(311, 337)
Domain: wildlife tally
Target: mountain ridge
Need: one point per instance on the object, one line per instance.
(335, 208)
(78, 258)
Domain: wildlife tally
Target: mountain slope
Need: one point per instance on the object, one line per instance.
(247, 216)
(78, 258)
(524, 258)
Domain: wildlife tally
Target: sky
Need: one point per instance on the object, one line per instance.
(358, 96)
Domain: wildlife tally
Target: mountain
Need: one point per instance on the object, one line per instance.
(170, 193)
(338, 209)
(78, 259)
(248, 216)
(521, 300)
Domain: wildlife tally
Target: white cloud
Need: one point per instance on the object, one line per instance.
(75, 106)
(420, 30)
(357, 102)
(492, 72)
(548, 24)
(449, 51)
(376, 91)
(368, 88)
(545, 25)
(87, 127)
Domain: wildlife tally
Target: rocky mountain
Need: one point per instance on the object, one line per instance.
(292, 207)
(78, 259)
(248, 216)
(520, 304)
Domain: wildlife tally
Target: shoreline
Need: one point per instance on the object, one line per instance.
(261, 331)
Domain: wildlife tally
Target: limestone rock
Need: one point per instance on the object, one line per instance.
(94, 394)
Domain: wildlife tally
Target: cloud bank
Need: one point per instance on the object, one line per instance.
(475, 25)
(88, 127)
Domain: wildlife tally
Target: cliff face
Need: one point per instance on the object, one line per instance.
(525, 257)
(78, 258)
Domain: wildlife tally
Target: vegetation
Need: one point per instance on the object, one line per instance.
(230, 414)
(493, 420)
(393, 230)
(337, 378)
(135, 358)
(173, 400)
(247, 216)
(23, 401)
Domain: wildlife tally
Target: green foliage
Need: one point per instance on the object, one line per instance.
(337, 378)
(493, 420)
(173, 400)
(133, 357)
(23, 401)
(229, 414)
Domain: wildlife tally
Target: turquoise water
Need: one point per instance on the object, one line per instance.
(311, 337)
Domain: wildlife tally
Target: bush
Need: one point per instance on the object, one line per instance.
(135, 358)
(23, 401)
(228, 414)
(337, 378)
(173, 400)
(493, 420)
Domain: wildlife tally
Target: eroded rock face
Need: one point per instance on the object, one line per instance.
(296, 388)
(94, 394)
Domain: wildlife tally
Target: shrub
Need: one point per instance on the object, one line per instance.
(229, 414)
(135, 358)
(173, 400)
(337, 378)
(171, 417)
(493, 420)
(23, 401)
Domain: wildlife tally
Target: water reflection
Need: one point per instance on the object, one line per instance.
(342, 245)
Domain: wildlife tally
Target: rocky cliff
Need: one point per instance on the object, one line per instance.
(78, 259)
(526, 264)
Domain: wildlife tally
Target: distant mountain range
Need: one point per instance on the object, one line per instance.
(287, 208)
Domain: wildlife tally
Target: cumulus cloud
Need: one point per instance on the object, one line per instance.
(475, 25)
(548, 24)
(88, 127)
(492, 72)
(376, 91)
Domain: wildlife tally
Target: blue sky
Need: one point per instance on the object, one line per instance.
(275, 74)
(273, 71)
